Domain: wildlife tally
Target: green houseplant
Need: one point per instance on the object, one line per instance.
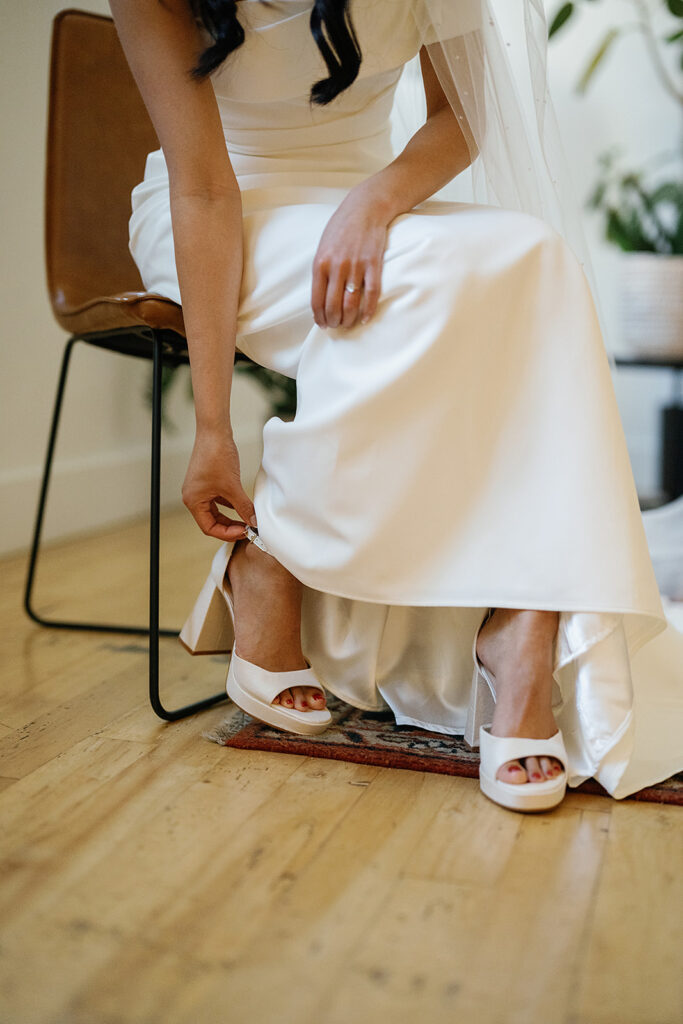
(279, 390)
(639, 216)
(642, 212)
(641, 24)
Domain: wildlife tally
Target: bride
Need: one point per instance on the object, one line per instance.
(449, 526)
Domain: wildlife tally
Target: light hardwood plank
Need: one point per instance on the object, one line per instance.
(631, 966)
(444, 948)
(147, 875)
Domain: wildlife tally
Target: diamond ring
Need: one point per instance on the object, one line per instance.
(351, 288)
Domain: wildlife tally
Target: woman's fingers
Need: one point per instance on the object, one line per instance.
(345, 297)
(351, 300)
(212, 480)
(242, 505)
(213, 523)
(350, 252)
(318, 293)
(371, 289)
(334, 297)
(334, 305)
(217, 525)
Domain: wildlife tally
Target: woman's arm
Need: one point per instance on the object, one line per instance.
(162, 42)
(434, 155)
(353, 242)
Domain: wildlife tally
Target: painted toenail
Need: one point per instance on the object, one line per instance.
(289, 701)
(536, 775)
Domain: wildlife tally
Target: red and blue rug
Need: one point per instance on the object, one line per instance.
(368, 737)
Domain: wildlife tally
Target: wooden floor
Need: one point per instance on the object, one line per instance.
(149, 875)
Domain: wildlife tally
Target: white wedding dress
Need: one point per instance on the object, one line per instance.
(462, 450)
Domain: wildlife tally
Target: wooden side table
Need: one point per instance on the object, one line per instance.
(671, 423)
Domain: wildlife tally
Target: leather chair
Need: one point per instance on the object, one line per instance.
(99, 134)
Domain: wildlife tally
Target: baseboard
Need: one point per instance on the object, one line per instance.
(98, 491)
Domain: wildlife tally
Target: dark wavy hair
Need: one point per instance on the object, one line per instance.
(331, 27)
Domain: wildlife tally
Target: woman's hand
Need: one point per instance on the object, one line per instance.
(352, 246)
(213, 476)
(350, 253)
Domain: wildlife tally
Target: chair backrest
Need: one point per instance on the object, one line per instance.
(99, 134)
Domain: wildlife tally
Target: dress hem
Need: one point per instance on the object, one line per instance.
(399, 719)
(428, 726)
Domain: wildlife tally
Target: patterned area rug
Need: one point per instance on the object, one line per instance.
(369, 737)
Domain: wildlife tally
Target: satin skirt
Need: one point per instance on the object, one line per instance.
(463, 450)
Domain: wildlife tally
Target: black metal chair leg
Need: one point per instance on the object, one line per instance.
(45, 483)
(95, 627)
(154, 530)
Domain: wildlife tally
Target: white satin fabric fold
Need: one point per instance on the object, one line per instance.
(463, 450)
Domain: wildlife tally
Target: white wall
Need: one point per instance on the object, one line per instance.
(102, 469)
(625, 105)
(102, 466)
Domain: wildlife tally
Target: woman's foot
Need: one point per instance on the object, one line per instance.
(267, 600)
(516, 647)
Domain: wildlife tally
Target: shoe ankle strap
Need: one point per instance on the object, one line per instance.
(253, 536)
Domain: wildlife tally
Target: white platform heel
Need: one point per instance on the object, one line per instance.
(495, 751)
(210, 629)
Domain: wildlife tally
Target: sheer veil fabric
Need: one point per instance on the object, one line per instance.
(517, 164)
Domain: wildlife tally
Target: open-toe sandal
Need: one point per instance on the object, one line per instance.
(495, 751)
(210, 629)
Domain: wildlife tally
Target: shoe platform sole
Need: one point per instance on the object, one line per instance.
(305, 723)
(524, 796)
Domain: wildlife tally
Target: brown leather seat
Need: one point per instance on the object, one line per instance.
(99, 134)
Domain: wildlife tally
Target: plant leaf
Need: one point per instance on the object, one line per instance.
(281, 390)
(597, 58)
(669, 192)
(625, 232)
(677, 239)
(594, 201)
(563, 14)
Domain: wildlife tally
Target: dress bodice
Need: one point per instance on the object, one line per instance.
(263, 87)
(263, 91)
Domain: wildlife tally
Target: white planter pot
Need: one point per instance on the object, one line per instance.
(652, 305)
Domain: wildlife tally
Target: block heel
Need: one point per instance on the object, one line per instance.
(208, 628)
